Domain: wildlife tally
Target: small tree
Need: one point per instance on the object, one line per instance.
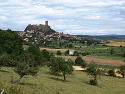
(26, 66)
(46, 54)
(67, 52)
(76, 53)
(67, 68)
(70, 45)
(94, 72)
(112, 51)
(59, 65)
(58, 53)
(122, 71)
(24, 69)
(35, 51)
(79, 61)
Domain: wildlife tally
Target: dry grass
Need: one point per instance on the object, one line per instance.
(98, 60)
(78, 68)
(116, 43)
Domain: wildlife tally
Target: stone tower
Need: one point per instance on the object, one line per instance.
(46, 23)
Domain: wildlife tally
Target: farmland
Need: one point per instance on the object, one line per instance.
(99, 61)
(116, 43)
(97, 53)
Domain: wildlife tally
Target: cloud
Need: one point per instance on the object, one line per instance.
(72, 16)
(3, 18)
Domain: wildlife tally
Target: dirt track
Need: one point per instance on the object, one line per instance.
(98, 60)
(55, 50)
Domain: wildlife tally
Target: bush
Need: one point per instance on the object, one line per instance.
(58, 53)
(104, 45)
(13, 89)
(85, 53)
(93, 82)
(67, 52)
(111, 73)
(79, 61)
(76, 53)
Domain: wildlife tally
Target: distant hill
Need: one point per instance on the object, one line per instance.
(104, 37)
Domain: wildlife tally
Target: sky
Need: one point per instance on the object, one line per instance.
(84, 17)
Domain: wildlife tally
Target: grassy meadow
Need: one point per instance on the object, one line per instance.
(45, 83)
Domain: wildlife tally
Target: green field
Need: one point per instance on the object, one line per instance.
(99, 50)
(45, 83)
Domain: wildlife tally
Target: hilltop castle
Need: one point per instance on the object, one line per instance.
(40, 27)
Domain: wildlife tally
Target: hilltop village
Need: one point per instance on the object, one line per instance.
(37, 34)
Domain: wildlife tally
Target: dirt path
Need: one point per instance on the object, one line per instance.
(98, 60)
(78, 68)
(55, 50)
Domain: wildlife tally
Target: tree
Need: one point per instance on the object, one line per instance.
(46, 54)
(60, 44)
(67, 68)
(10, 42)
(67, 52)
(35, 51)
(26, 66)
(76, 53)
(122, 71)
(6, 60)
(112, 51)
(79, 61)
(59, 65)
(58, 53)
(94, 72)
(70, 45)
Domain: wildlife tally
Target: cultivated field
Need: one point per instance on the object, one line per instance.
(116, 43)
(98, 60)
(45, 83)
(103, 58)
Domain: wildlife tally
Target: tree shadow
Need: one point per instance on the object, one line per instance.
(53, 74)
(87, 82)
(28, 84)
(4, 71)
(57, 79)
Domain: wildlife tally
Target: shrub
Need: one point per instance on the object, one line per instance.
(93, 82)
(76, 53)
(111, 73)
(58, 53)
(85, 53)
(13, 89)
(67, 52)
(79, 61)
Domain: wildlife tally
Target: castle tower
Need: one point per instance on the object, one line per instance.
(46, 23)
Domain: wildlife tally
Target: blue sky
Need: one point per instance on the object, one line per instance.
(86, 17)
